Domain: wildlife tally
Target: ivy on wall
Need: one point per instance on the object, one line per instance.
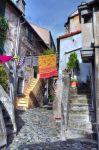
(3, 30)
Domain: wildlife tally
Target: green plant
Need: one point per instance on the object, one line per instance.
(51, 98)
(49, 51)
(3, 29)
(73, 64)
(3, 77)
(73, 80)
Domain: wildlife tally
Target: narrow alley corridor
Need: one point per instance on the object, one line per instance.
(38, 131)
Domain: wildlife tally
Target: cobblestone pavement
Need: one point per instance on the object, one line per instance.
(38, 131)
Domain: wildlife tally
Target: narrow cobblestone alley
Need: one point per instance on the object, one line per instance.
(38, 131)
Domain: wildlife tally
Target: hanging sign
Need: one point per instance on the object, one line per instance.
(47, 66)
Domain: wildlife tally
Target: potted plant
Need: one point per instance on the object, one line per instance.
(73, 67)
(73, 82)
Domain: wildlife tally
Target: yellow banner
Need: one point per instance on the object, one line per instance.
(47, 65)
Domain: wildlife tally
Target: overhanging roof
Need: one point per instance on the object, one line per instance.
(69, 34)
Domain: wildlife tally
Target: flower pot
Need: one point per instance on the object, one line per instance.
(73, 83)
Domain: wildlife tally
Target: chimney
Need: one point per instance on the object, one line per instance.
(21, 5)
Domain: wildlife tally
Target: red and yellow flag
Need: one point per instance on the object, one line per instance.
(47, 66)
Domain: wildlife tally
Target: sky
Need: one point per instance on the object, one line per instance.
(51, 14)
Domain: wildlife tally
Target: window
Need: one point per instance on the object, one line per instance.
(87, 19)
(29, 35)
(20, 87)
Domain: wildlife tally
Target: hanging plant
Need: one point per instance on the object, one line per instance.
(3, 77)
(3, 28)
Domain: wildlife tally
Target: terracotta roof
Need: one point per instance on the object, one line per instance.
(69, 34)
(43, 33)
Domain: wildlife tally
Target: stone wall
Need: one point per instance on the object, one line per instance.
(39, 91)
(12, 16)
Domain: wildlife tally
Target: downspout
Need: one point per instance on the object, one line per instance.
(93, 87)
(15, 63)
(16, 54)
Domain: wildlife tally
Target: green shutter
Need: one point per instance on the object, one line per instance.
(2, 50)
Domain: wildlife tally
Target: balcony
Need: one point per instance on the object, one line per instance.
(87, 55)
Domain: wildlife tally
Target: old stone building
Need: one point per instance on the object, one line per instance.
(89, 18)
(25, 43)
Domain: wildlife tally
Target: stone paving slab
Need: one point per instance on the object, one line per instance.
(37, 130)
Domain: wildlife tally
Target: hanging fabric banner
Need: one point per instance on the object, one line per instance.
(47, 66)
(5, 58)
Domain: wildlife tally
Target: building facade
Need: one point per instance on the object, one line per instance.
(89, 18)
(25, 43)
(70, 42)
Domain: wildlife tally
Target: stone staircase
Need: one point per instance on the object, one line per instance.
(24, 101)
(81, 116)
(32, 95)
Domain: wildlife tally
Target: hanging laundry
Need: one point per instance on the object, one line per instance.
(22, 59)
(5, 58)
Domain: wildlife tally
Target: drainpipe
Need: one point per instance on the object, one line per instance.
(16, 53)
(93, 87)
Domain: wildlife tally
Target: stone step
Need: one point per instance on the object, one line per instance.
(22, 105)
(79, 102)
(81, 125)
(79, 111)
(78, 117)
(80, 105)
(23, 102)
(74, 133)
(79, 96)
(81, 108)
(22, 108)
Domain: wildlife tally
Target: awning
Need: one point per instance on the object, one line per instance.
(87, 55)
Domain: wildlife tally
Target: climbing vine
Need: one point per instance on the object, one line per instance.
(3, 28)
